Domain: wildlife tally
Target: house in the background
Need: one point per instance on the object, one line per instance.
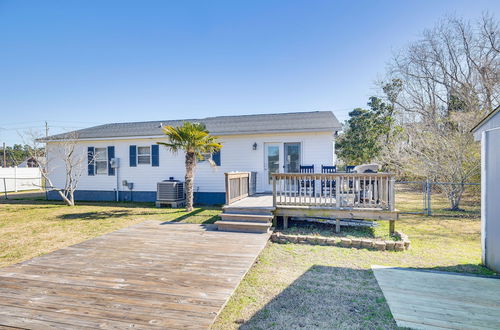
(32, 162)
(263, 144)
(488, 132)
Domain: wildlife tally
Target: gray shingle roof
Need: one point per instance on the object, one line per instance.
(223, 125)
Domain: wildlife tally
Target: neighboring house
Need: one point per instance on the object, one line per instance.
(32, 162)
(263, 144)
(488, 132)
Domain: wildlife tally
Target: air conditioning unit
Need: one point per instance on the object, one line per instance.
(170, 192)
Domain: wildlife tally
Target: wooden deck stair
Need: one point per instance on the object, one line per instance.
(246, 219)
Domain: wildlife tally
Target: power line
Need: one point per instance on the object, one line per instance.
(57, 121)
(41, 126)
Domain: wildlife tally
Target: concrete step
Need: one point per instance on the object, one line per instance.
(247, 227)
(248, 210)
(246, 217)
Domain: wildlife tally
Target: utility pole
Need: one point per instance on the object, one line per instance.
(45, 162)
(4, 158)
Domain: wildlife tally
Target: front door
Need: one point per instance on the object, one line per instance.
(272, 163)
(292, 157)
(280, 158)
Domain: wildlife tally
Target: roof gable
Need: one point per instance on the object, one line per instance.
(492, 120)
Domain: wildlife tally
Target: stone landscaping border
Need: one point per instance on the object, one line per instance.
(401, 245)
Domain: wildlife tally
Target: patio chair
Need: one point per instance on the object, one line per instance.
(328, 185)
(307, 184)
(349, 168)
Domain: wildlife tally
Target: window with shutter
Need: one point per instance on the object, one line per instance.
(143, 155)
(133, 156)
(90, 158)
(101, 161)
(111, 155)
(155, 155)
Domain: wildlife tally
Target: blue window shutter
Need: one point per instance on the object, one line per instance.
(133, 156)
(155, 155)
(111, 155)
(90, 155)
(216, 158)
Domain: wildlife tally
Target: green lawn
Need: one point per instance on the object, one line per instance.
(302, 286)
(31, 227)
(291, 285)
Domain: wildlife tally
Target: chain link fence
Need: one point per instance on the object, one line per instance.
(429, 199)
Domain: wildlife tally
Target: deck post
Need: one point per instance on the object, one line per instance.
(285, 222)
(274, 190)
(228, 187)
(392, 225)
(391, 193)
(337, 192)
(337, 225)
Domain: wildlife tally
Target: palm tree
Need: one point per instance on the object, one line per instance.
(195, 140)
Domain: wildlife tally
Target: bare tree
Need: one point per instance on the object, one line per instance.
(64, 154)
(450, 79)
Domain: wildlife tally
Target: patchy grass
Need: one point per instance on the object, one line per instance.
(29, 228)
(291, 285)
(310, 286)
(326, 230)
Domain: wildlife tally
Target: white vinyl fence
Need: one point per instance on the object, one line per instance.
(18, 179)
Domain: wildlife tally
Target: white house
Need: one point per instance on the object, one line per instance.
(488, 132)
(264, 144)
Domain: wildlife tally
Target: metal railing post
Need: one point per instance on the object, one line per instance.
(429, 190)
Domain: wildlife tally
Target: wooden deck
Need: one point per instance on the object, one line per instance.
(151, 275)
(439, 300)
(255, 201)
(265, 202)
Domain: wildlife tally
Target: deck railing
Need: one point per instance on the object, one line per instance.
(237, 184)
(334, 190)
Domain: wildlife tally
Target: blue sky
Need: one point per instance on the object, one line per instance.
(81, 63)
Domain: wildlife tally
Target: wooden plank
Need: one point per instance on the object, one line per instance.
(150, 275)
(437, 300)
(371, 214)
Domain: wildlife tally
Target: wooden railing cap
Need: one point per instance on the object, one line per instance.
(326, 175)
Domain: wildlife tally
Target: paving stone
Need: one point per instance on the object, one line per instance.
(346, 242)
(389, 245)
(356, 242)
(367, 243)
(380, 246)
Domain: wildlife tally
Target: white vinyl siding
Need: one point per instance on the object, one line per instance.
(237, 154)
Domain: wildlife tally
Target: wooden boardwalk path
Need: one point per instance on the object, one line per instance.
(151, 275)
(440, 300)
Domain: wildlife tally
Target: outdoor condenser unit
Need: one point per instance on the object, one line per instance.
(170, 192)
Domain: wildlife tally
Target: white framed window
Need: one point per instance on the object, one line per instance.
(101, 161)
(144, 155)
(206, 156)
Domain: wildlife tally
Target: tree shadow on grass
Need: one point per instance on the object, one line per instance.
(194, 216)
(327, 298)
(95, 215)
